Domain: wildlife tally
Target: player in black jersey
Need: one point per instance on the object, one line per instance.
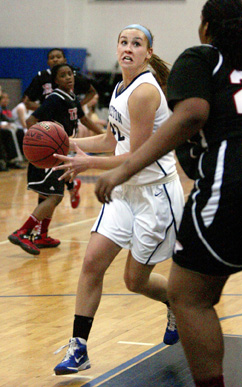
(205, 94)
(62, 106)
(41, 87)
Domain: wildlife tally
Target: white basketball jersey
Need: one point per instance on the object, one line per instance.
(120, 124)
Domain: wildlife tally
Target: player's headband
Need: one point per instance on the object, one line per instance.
(143, 29)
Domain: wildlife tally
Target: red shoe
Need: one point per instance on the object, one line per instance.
(42, 240)
(23, 239)
(75, 197)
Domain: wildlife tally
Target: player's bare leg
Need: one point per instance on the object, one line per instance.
(193, 296)
(100, 253)
(140, 279)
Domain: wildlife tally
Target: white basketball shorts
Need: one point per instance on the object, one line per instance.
(143, 219)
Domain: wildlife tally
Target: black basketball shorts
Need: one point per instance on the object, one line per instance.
(45, 181)
(209, 238)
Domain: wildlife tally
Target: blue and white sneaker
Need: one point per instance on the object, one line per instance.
(76, 358)
(171, 335)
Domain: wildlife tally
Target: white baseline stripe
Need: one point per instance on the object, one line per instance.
(131, 342)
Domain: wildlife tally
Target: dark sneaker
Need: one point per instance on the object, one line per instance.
(75, 196)
(42, 240)
(76, 358)
(171, 335)
(23, 239)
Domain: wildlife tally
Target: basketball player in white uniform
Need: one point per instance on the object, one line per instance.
(145, 213)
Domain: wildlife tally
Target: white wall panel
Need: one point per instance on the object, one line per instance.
(96, 25)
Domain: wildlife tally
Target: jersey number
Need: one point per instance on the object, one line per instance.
(73, 114)
(236, 78)
(116, 130)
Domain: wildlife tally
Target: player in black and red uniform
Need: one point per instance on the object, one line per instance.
(41, 87)
(62, 106)
(205, 94)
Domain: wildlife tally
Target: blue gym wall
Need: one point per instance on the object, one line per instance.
(24, 63)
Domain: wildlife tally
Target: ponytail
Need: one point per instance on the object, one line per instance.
(161, 71)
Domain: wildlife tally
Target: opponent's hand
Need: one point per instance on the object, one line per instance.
(104, 186)
(108, 180)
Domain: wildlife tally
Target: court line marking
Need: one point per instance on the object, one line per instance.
(103, 295)
(109, 375)
(75, 376)
(135, 343)
(72, 241)
(74, 223)
(64, 295)
(124, 366)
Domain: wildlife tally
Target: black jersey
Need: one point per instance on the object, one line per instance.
(61, 107)
(203, 72)
(41, 86)
(211, 226)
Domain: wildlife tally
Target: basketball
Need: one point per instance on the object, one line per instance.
(42, 140)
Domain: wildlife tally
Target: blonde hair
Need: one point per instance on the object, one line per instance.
(160, 67)
(161, 71)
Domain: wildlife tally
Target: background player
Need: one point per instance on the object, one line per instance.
(41, 87)
(146, 212)
(204, 91)
(61, 106)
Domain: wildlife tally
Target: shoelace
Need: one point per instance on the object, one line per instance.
(70, 351)
(171, 320)
(28, 236)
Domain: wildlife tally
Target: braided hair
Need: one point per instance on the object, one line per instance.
(224, 19)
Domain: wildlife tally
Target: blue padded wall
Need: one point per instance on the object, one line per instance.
(24, 63)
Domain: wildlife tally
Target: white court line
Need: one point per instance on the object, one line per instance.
(75, 376)
(70, 241)
(60, 227)
(74, 224)
(134, 343)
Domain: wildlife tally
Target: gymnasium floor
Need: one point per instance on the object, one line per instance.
(37, 298)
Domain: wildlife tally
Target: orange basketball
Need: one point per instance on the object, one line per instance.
(42, 140)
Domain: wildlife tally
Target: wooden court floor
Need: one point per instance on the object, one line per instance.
(37, 296)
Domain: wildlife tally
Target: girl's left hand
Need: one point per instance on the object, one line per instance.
(72, 165)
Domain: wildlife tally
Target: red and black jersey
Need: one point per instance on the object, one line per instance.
(41, 86)
(61, 107)
(210, 230)
(203, 72)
